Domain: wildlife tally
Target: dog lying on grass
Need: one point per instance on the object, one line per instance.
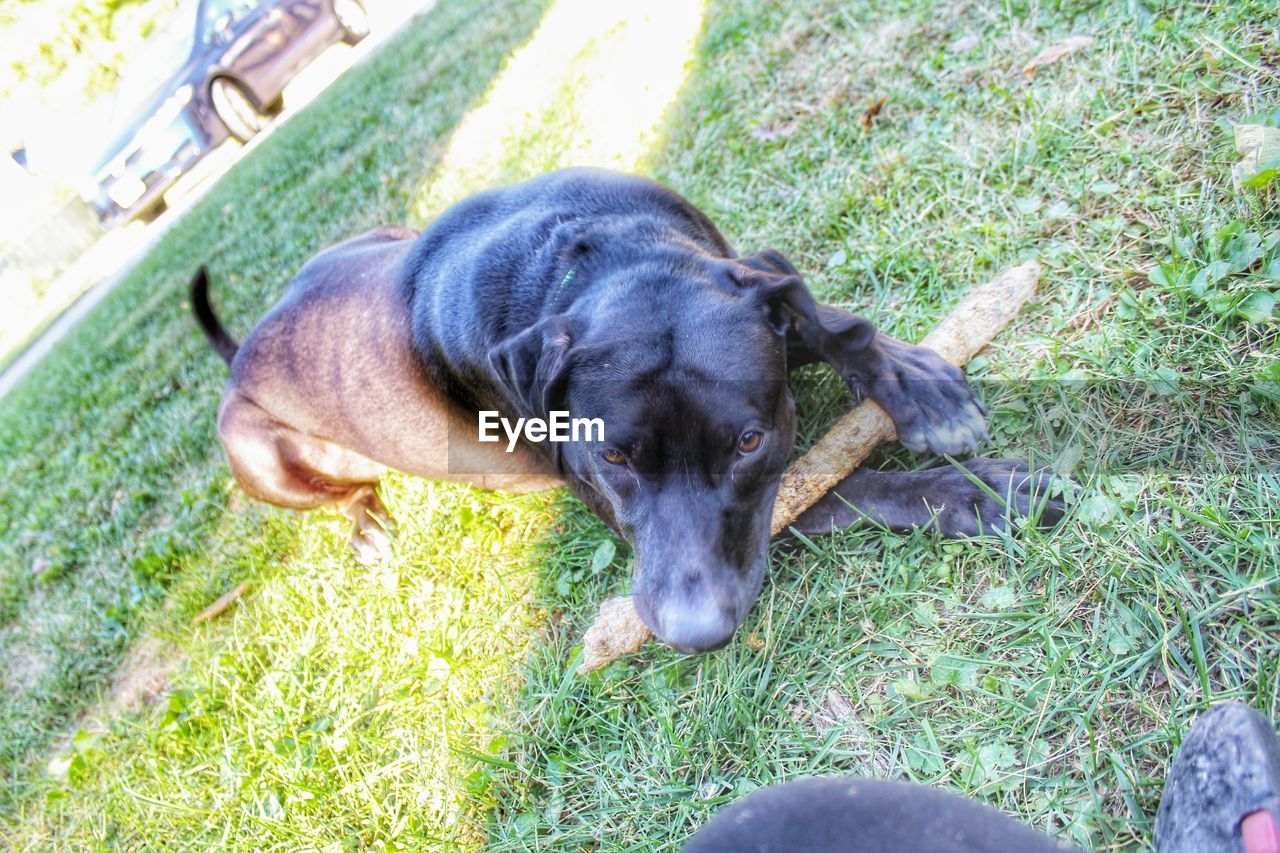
(610, 298)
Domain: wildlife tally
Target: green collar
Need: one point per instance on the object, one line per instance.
(568, 277)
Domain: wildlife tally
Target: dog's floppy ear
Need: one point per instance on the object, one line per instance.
(533, 366)
(772, 280)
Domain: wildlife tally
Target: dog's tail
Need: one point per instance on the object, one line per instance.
(222, 342)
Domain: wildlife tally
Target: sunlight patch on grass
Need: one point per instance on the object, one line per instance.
(327, 690)
(589, 89)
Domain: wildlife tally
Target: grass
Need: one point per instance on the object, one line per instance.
(433, 701)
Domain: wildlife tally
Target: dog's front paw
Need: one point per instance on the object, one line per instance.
(370, 545)
(927, 397)
(964, 508)
(372, 532)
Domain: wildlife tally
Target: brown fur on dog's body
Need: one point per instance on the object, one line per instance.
(325, 394)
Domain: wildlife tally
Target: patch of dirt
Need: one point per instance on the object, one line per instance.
(836, 712)
(23, 663)
(22, 669)
(142, 677)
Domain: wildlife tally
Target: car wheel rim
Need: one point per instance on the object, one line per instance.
(236, 111)
(352, 17)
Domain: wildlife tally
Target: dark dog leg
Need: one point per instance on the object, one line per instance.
(928, 398)
(943, 498)
(278, 464)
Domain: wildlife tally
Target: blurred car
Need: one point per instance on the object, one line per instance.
(228, 63)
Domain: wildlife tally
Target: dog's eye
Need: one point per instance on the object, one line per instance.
(614, 456)
(749, 442)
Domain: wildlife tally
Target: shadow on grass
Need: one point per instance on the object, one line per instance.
(868, 650)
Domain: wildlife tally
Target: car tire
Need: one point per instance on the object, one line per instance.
(236, 109)
(352, 18)
(153, 212)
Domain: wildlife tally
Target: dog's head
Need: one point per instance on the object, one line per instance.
(687, 371)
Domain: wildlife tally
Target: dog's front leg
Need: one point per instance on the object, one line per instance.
(927, 397)
(945, 499)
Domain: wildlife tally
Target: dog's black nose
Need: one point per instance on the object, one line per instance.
(693, 630)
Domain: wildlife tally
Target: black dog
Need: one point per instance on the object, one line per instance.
(605, 296)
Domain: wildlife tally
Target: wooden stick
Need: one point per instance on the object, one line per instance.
(216, 609)
(967, 329)
(961, 334)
